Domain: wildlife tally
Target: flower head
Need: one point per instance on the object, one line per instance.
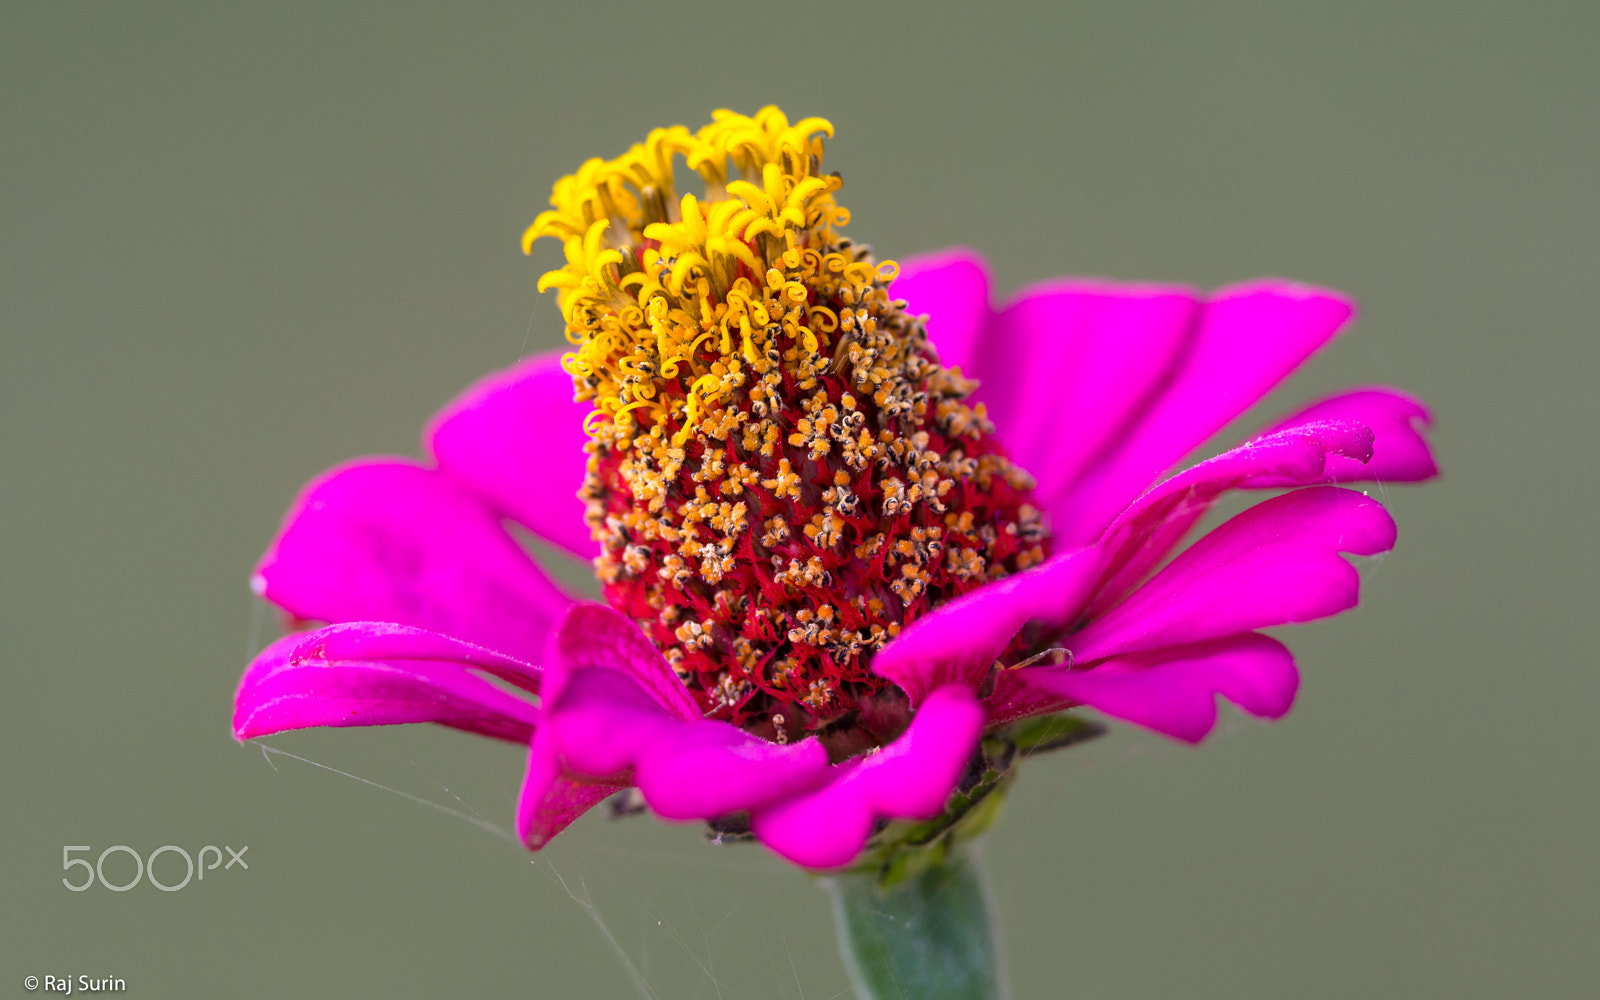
(781, 475)
(853, 526)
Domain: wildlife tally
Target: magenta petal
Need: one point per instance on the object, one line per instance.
(1400, 453)
(292, 686)
(709, 769)
(382, 641)
(602, 721)
(1295, 455)
(952, 288)
(550, 801)
(1069, 365)
(516, 438)
(1174, 690)
(1249, 339)
(1015, 697)
(956, 643)
(615, 713)
(390, 541)
(909, 779)
(593, 636)
(606, 728)
(1276, 563)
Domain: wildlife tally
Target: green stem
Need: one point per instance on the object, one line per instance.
(930, 936)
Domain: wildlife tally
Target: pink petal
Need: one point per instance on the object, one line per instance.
(592, 636)
(1067, 366)
(909, 779)
(952, 288)
(516, 438)
(615, 714)
(550, 801)
(1144, 534)
(1400, 453)
(390, 541)
(1174, 690)
(602, 721)
(1015, 697)
(1276, 563)
(1250, 338)
(708, 769)
(1363, 435)
(956, 643)
(295, 684)
(382, 641)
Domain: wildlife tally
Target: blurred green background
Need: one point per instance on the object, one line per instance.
(240, 245)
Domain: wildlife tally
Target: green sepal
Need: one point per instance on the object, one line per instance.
(1044, 733)
(905, 848)
(913, 912)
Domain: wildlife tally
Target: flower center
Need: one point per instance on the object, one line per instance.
(781, 474)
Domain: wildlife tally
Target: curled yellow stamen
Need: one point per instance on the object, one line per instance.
(663, 293)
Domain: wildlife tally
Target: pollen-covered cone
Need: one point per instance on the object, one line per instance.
(781, 474)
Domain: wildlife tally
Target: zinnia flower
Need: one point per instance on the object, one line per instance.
(852, 524)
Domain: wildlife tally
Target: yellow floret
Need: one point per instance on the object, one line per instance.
(664, 296)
